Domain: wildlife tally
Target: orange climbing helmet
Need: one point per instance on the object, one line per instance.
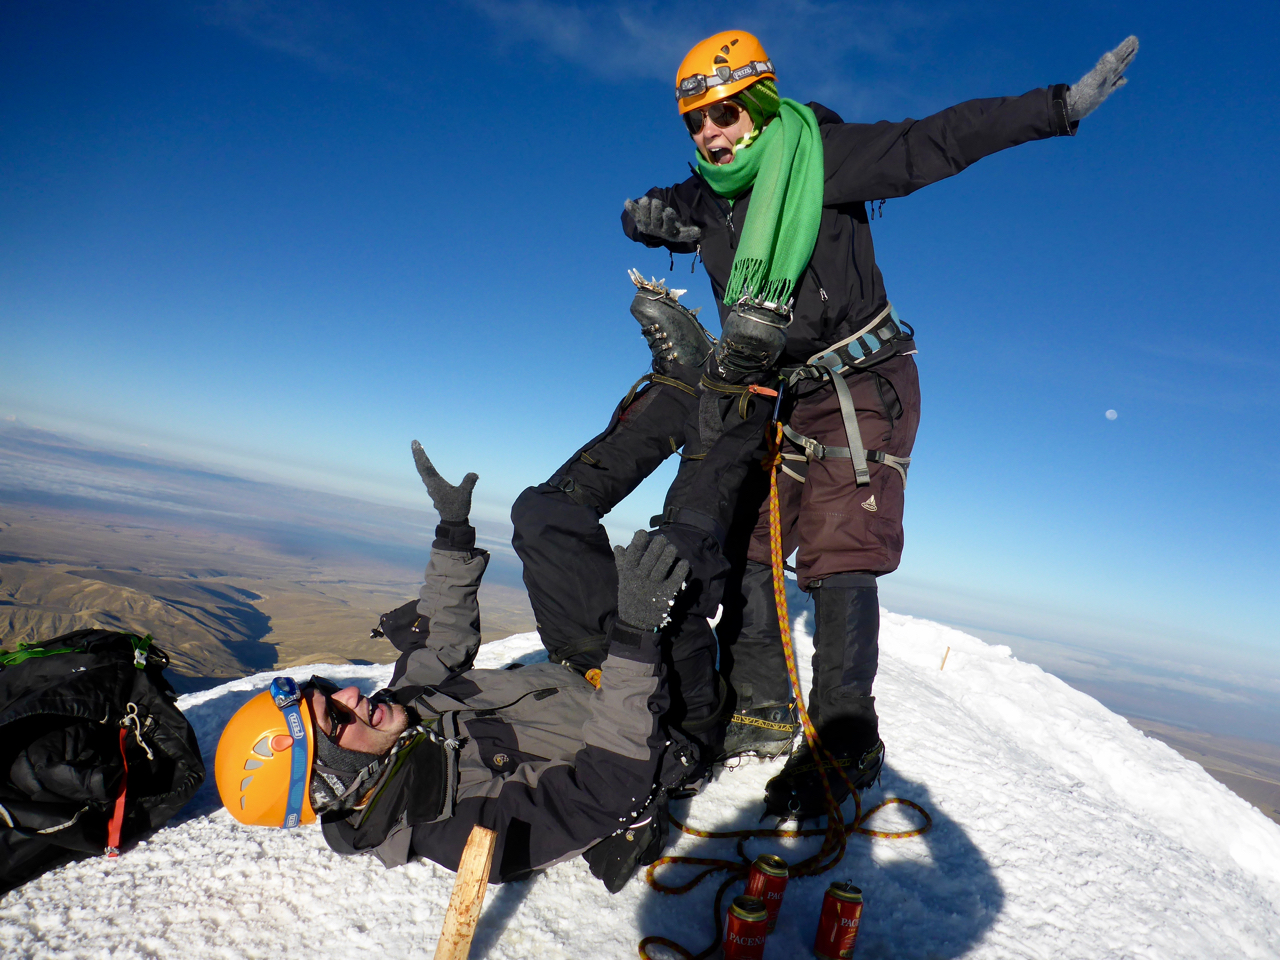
(719, 67)
(264, 758)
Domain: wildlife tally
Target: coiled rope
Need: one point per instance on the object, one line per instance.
(836, 833)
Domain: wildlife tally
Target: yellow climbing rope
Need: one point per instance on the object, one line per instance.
(837, 832)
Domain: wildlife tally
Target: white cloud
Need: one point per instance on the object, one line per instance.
(305, 29)
(835, 52)
(856, 57)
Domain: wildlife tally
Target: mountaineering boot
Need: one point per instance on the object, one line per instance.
(846, 655)
(752, 339)
(764, 720)
(764, 731)
(796, 793)
(673, 333)
(701, 725)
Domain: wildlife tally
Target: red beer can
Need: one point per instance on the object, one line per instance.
(838, 924)
(766, 881)
(744, 929)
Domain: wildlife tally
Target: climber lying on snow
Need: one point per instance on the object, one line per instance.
(543, 756)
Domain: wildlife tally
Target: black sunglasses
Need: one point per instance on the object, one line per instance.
(723, 114)
(339, 714)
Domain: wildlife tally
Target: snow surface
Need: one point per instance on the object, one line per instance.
(1059, 832)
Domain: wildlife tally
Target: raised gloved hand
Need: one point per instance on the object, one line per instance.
(452, 503)
(1095, 86)
(655, 219)
(650, 574)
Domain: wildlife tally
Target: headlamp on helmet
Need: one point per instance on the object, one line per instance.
(264, 758)
(719, 67)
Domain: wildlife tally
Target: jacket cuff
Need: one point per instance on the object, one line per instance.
(456, 535)
(1061, 126)
(634, 643)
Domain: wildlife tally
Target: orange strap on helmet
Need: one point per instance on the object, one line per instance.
(719, 67)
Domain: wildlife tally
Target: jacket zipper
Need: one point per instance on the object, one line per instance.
(483, 713)
(722, 205)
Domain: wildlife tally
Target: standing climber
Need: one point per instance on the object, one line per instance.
(776, 209)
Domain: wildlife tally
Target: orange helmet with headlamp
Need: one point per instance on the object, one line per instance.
(264, 758)
(719, 67)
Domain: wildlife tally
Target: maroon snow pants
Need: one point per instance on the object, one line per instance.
(838, 526)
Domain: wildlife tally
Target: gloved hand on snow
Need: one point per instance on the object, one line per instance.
(655, 219)
(1095, 86)
(650, 574)
(452, 503)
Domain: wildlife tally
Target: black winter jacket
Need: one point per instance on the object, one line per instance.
(842, 289)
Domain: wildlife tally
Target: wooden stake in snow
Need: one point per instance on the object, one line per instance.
(944, 657)
(468, 896)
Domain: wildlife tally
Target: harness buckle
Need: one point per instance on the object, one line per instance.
(881, 333)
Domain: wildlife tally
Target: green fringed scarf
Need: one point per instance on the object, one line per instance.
(784, 166)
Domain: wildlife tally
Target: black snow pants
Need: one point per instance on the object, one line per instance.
(568, 561)
(715, 510)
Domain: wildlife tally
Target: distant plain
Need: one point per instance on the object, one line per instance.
(231, 576)
(235, 576)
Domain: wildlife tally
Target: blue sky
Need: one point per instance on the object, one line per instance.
(286, 238)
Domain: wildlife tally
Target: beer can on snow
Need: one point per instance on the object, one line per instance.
(766, 881)
(838, 923)
(744, 929)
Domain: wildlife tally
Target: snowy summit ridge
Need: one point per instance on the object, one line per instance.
(1059, 831)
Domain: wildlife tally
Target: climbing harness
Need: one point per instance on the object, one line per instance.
(570, 486)
(878, 340)
(654, 378)
(710, 417)
(837, 831)
(743, 391)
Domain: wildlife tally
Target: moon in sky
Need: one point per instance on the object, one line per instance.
(1111, 414)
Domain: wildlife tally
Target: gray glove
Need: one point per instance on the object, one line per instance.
(452, 503)
(650, 574)
(1095, 86)
(655, 219)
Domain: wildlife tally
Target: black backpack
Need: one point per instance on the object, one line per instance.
(93, 752)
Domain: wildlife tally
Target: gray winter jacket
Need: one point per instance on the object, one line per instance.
(537, 754)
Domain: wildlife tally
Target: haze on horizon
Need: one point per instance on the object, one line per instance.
(317, 570)
(283, 241)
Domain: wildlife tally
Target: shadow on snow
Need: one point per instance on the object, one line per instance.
(931, 897)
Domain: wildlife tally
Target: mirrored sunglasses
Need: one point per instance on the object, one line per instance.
(722, 114)
(339, 714)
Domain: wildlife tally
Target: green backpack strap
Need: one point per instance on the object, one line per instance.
(27, 651)
(39, 648)
(140, 646)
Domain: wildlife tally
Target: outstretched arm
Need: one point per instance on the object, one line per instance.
(1099, 83)
(881, 160)
(445, 635)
